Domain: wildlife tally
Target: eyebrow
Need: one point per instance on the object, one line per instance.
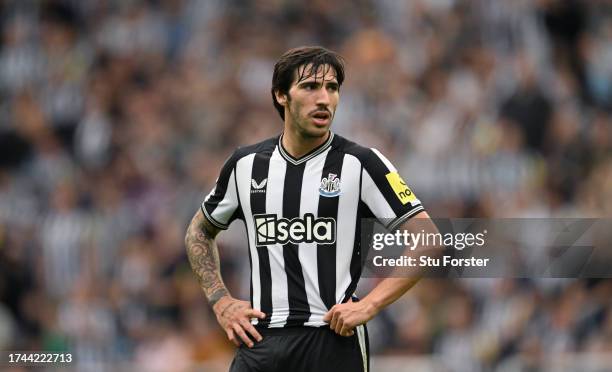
(318, 82)
(304, 77)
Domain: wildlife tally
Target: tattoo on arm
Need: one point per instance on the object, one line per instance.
(204, 257)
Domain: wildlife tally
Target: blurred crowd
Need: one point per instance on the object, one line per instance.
(116, 116)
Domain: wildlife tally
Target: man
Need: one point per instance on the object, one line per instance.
(302, 196)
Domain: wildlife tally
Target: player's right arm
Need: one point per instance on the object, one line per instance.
(391, 201)
(232, 314)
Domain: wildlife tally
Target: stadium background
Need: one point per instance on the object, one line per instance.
(115, 117)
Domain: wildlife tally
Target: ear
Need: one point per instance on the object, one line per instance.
(280, 97)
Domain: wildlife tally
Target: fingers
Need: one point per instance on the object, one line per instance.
(328, 316)
(232, 337)
(236, 322)
(243, 336)
(337, 322)
(252, 313)
(336, 319)
(249, 328)
(346, 331)
(344, 328)
(236, 333)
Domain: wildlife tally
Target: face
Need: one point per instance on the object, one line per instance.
(311, 102)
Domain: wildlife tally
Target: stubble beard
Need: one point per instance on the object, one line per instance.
(302, 126)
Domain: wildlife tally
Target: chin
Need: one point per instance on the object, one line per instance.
(311, 131)
(317, 132)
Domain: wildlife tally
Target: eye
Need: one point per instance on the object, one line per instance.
(332, 87)
(310, 86)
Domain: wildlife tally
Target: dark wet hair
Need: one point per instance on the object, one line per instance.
(289, 63)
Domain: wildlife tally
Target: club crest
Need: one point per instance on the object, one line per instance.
(330, 186)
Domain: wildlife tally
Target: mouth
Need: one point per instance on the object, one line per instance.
(321, 117)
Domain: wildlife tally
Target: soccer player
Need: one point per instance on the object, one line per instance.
(301, 196)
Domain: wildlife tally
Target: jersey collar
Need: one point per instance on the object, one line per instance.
(316, 151)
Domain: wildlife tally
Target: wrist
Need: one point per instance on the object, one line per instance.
(222, 304)
(216, 296)
(371, 307)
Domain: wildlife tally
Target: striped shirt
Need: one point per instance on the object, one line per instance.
(302, 218)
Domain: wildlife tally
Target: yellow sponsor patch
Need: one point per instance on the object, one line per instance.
(402, 190)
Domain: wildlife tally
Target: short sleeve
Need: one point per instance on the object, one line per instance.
(385, 192)
(221, 205)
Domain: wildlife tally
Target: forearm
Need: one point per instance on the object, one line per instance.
(232, 314)
(392, 288)
(204, 258)
(387, 292)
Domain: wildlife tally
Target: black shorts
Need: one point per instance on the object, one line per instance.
(304, 349)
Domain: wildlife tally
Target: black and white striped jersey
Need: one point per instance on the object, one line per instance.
(302, 219)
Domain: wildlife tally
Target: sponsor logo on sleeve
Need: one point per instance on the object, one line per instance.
(400, 188)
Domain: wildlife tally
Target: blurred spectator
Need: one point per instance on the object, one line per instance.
(114, 114)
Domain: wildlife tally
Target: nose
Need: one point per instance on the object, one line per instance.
(322, 98)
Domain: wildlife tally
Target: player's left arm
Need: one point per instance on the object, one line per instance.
(343, 318)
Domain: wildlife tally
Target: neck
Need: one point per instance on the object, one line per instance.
(298, 145)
